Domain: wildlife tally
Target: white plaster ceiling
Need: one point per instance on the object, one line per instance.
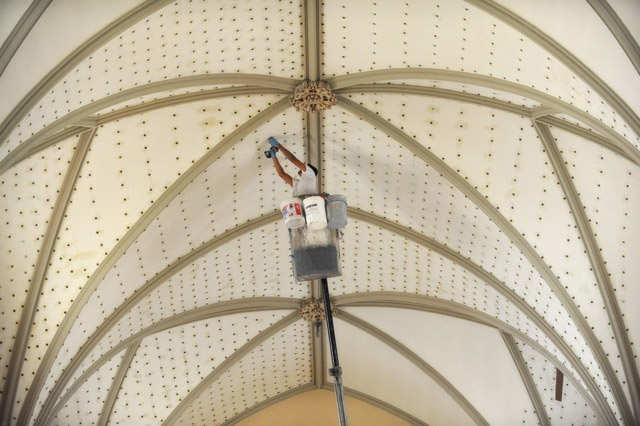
(488, 152)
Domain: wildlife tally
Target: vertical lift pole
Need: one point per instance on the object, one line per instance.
(336, 370)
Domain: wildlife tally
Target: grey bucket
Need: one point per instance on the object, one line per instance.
(336, 211)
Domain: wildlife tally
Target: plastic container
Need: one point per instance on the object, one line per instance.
(292, 213)
(336, 211)
(315, 212)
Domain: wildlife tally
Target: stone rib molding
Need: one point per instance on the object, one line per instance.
(540, 114)
(100, 39)
(16, 156)
(37, 279)
(20, 32)
(368, 77)
(227, 364)
(312, 123)
(491, 281)
(145, 290)
(619, 30)
(416, 360)
(582, 132)
(229, 307)
(521, 365)
(436, 92)
(517, 239)
(109, 402)
(597, 264)
(312, 39)
(125, 242)
(185, 98)
(268, 403)
(267, 81)
(445, 307)
(563, 55)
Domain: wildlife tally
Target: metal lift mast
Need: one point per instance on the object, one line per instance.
(336, 370)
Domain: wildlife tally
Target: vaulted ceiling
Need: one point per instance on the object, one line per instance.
(489, 154)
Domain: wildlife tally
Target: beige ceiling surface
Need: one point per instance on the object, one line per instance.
(488, 154)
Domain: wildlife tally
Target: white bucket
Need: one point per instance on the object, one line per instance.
(291, 209)
(315, 213)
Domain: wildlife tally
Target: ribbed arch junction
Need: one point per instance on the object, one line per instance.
(490, 166)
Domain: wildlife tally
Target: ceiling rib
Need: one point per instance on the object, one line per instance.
(486, 277)
(110, 400)
(619, 30)
(520, 364)
(66, 65)
(18, 155)
(368, 77)
(540, 114)
(37, 279)
(229, 307)
(312, 39)
(436, 92)
(268, 403)
(582, 132)
(412, 357)
(20, 32)
(312, 123)
(132, 234)
(8, 162)
(147, 288)
(226, 364)
(518, 240)
(40, 137)
(597, 264)
(188, 97)
(445, 307)
(563, 55)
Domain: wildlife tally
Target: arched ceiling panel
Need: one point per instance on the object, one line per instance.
(398, 265)
(404, 386)
(130, 164)
(468, 355)
(211, 279)
(52, 30)
(168, 365)
(603, 54)
(318, 407)
(28, 193)
(501, 155)
(214, 202)
(609, 189)
(450, 36)
(85, 405)
(281, 363)
(178, 40)
(573, 409)
(416, 196)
